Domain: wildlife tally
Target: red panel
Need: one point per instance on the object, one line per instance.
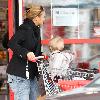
(11, 94)
(10, 30)
(76, 41)
(79, 41)
(10, 22)
(66, 85)
(10, 17)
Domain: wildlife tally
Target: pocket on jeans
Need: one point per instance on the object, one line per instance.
(10, 79)
(11, 82)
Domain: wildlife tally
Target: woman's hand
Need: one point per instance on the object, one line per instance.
(30, 56)
(45, 56)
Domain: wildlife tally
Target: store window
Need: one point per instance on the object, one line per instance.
(72, 19)
(3, 51)
(3, 30)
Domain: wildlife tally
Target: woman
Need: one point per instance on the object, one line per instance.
(26, 45)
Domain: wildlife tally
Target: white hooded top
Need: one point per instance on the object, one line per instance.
(59, 62)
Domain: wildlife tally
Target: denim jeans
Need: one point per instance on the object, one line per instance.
(23, 89)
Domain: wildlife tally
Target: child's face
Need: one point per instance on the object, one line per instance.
(60, 45)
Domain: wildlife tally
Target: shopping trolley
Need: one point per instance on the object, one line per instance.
(64, 84)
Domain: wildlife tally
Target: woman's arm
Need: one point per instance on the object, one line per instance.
(15, 44)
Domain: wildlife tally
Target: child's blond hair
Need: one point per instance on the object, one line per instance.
(54, 43)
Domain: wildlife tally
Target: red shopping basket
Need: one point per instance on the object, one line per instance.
(71, 84)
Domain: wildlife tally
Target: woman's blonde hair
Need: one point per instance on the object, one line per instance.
(33, 11)
(54, 43)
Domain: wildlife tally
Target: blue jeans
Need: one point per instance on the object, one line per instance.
(23, 89)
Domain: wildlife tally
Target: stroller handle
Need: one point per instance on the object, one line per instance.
(40, 57)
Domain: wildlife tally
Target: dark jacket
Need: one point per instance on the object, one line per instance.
(26, 39)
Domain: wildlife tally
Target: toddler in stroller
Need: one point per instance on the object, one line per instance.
(59, 59)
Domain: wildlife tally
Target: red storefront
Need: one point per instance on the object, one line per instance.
(79, 36)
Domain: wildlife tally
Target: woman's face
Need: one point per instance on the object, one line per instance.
(41, 18)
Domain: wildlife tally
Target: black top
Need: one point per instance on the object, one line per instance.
(26, 39)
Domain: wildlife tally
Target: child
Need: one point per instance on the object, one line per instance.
(59, 59)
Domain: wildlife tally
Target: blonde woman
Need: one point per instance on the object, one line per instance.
(26, 45)
(60, 59)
